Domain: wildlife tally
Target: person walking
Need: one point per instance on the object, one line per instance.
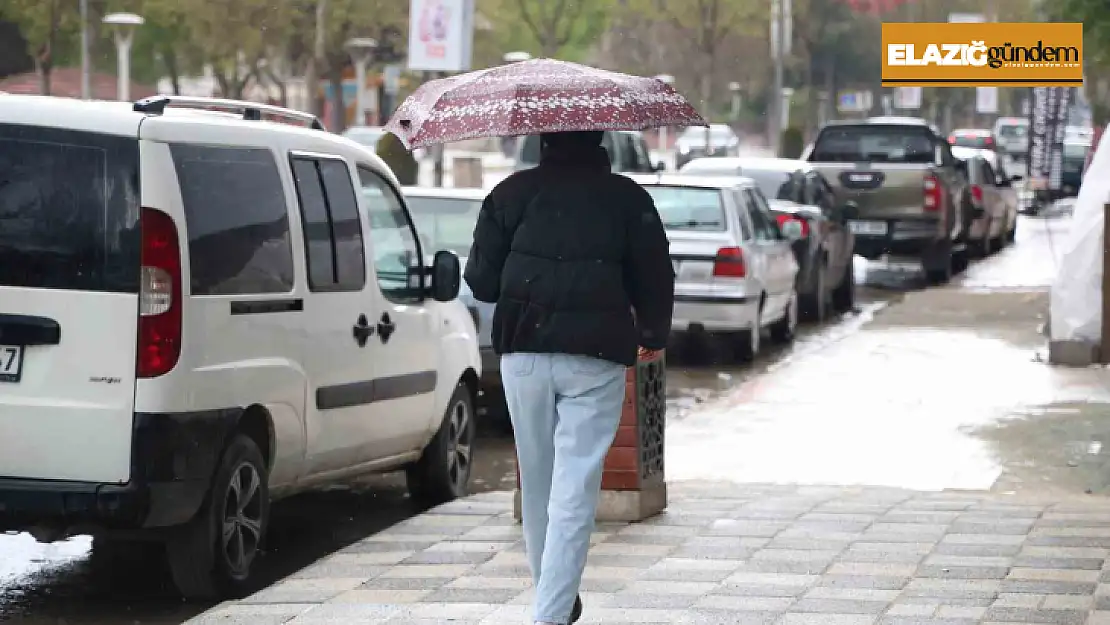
(578, 263)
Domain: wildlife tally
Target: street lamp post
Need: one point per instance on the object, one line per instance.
(86, 87)
(666, 79)
(124, 25)
(361, 50)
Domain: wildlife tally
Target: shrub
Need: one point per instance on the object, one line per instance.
(400, 160)
(791, 143)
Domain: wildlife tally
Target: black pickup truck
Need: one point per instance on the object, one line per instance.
(906, 184)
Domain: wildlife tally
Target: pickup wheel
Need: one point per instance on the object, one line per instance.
(844, 295)
(938, 263)
(443, 472)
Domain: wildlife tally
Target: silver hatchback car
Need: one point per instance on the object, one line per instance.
(734, 268)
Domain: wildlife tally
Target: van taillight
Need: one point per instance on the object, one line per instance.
(159, 296)
(932, 193)
(977, 194)
(729, 263)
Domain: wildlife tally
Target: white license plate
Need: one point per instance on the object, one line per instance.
(11, 363)
(867, 227)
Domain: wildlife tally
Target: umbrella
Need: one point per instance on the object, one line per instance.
(530, 97)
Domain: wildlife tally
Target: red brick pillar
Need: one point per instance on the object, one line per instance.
(633, 485)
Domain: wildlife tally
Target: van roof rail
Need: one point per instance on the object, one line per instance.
(251, 111)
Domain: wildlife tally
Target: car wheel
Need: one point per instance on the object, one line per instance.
(844, 295)
(1011, 234)
(814, 306)
(443, 472)
(211, 557)
(747, 341)
(983, 246)
(783, 330)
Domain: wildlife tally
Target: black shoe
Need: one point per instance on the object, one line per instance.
(576, 611)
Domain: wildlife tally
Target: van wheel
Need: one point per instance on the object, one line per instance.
(211, 557)
(938, 264)
(443, 472)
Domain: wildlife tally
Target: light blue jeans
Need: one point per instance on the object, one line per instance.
(565, 411)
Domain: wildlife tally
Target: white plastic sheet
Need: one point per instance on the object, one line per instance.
(1076, 299)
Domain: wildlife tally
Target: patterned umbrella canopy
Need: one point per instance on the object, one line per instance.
(536, 96)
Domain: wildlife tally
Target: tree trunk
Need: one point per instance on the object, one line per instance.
(43, 69)
(169, 60)
(339, 107)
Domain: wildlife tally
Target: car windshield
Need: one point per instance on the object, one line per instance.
(1076, 151)
(717, 134)
(874, 143)
(689, 208)
(1016, 131)
(445, 223)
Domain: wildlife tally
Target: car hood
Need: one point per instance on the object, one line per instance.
(483, 309)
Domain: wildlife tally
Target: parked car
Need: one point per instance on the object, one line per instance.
(1011, 134)
(824, 247)
(445, 219)
(628, 152)
(990, 200)
(1074, 163)
(903, 177)
(734, 268)
(692, 143)
(238, 311)
(974, 138)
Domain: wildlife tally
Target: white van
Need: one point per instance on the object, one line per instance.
(196, 318)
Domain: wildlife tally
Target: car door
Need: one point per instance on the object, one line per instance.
(338, 360)
(405, 341)
(781, 266)
(835, 239)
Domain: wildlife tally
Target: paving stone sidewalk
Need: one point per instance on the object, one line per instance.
(730, 554)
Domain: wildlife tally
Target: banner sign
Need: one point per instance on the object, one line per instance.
(1048, 121)
(441, 35)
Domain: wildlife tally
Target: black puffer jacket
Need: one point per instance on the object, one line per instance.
(568, 250)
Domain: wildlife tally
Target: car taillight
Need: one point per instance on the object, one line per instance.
(977, 193)
(729, 263)
(159, 296)
(932, 192)
(951, 139)
(785, 219)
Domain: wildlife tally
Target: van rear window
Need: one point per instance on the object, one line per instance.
(69, 210)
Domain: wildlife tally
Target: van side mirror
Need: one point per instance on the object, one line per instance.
(446, 276)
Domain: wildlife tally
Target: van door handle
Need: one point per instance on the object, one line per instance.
(362, 331)
(385, 328)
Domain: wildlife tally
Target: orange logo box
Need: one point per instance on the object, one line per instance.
(983, 54)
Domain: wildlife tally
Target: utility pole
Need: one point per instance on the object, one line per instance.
(778, 46)
(86, 88)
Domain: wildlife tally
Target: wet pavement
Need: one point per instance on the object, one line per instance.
(929, 389)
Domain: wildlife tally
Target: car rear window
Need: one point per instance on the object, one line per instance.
(69, 210)
(689, 208)
(445, 223)
(971, 141)
(874, 143)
